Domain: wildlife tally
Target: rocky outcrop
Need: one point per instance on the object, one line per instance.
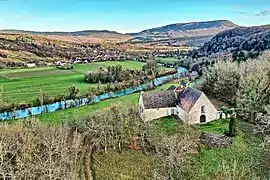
(215, 140)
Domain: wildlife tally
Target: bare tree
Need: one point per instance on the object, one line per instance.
(254, 91)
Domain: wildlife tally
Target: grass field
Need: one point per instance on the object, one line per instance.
(24, 84)
(35, 72)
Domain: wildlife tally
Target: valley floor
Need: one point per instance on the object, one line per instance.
(25, 84)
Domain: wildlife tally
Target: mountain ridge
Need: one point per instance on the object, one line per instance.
(71, 33)
(193, 30)
(189, 26)
(170, 34)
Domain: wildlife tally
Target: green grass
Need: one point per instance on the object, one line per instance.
(10, 71)
(83, 68)
(167, 126)
(129, 164)
(35, 73)
(71, 114)
(216, 127)
(28, 89)
(24, 84)
(212, 163)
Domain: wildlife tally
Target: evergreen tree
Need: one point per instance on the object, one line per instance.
(233, 126)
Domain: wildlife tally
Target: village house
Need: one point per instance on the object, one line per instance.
(190, 105)
(31, 65)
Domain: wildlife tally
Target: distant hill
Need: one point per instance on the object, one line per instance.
(75, 33)
(92, 36)
(251, 40)
(198, 31)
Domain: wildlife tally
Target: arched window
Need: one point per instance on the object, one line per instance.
(203, 109)
(202, 119)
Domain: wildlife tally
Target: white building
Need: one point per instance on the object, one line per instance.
(30, 65)
(190, 105)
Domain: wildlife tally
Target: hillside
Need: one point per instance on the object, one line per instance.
(199, 31)
(18, 49)
(249, 39)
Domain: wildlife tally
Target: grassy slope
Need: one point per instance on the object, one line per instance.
(210, 163)
(26, 83)
(130, 164)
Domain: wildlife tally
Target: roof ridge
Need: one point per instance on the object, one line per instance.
(194, 89)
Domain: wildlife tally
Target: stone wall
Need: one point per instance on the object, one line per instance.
(215, 140)
(182, 114)
(151, 114)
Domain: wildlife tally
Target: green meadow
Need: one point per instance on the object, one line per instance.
(25, 84)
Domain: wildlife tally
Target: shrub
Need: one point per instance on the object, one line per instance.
(73, 92)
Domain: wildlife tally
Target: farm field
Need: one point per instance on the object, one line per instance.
(25, 84)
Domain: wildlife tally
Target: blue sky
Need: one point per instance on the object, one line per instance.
(126, 15)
